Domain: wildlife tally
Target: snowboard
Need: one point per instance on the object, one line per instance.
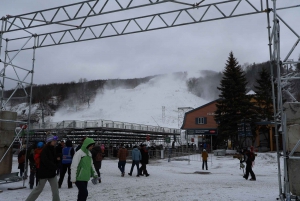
(16, 188)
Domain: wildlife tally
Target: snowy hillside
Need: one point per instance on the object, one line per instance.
(142, 104)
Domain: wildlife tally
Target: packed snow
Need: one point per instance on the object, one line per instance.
(174, 180)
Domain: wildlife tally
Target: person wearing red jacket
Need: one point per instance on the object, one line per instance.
(122, 155)
(36, 158)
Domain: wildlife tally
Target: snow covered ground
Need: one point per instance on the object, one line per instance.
(175, 180)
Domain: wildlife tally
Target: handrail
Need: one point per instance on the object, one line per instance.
(103, 123)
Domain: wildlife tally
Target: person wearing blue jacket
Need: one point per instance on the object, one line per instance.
(67, 156)
(136, 157)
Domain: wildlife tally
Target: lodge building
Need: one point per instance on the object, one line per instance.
(200, 123)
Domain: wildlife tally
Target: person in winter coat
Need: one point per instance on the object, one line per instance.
(30, 157)
(144, 161)
(80, 144)
(47, 170)
(102, 148)
(249, 158)
(21, 160)
(67, 156)
(204, 156)
(59, 148)
(122, 155)
(82, 168)
(97, 159)
(33, 165)
(136, 157)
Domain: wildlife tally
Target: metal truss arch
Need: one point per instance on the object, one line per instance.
(71, 23)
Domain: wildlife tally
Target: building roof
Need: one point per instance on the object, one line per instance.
(197, 109)
(202, 106)
(251, 92)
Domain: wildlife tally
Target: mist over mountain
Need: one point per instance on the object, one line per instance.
(155, 102)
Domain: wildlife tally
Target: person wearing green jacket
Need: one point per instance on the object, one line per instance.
(82, 168)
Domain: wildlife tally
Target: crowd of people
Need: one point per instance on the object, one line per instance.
(49, 161)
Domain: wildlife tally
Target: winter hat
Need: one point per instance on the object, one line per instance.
(51, 138)
(69, 143)
(204, 149)
(40, 144)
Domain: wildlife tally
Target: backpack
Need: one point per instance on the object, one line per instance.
(21, 159)
(252, 156)
(98, 156)
(37, 157)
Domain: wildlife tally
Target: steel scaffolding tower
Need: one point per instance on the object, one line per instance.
(71, 24)
(181, 112)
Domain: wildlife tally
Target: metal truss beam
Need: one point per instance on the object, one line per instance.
(138, 24)
(74, 27)
(283, 83)
(90, 8)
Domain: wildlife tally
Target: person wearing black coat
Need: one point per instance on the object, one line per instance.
(58, 150)
(97, 159)
(47, 170)
(30, 157)
(21, 161)
(248, 158)
(144, 161)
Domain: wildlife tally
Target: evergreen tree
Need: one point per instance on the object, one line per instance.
(264, 101)
(263, 96)
(234, 105)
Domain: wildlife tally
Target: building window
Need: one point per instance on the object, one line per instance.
(201, 120)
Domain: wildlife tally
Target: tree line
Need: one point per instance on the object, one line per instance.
(74, 92)
(236, 108)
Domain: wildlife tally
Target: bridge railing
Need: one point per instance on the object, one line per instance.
(103, 123)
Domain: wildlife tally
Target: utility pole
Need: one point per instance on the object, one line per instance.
(163, 114)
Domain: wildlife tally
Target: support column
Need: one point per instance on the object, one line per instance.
(271, 139)
(257, 137)
(7, 133)
(292, 111)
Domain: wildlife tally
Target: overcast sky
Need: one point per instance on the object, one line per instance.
(200, 46)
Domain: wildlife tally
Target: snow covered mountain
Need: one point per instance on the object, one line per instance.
(155, 103)
(143, 104)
